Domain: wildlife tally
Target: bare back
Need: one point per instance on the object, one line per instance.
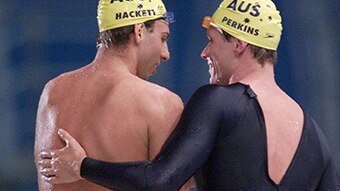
(114, 117)
(284, 124)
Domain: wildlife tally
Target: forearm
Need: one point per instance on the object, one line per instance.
(125, 176)
(110, 175)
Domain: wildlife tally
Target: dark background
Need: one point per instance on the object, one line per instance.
(40, 39)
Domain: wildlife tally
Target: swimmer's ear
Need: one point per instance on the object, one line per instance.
(138, 34)
(239, 46)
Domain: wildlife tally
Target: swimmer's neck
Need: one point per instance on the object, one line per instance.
(253, 72)
(111, 60)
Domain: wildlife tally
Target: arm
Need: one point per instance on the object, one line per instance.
(329, 179)
(163, 113)
(41, 123)
(45, 123)
(183, 154)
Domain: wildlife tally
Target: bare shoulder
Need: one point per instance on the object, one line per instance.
(161, 109)
(154, 102)
(48, 100)
(157, 98)
(56, 87)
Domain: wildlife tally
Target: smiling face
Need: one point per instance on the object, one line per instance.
(220, 57)
(154, 49)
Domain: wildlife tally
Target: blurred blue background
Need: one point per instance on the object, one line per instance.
(41, 39)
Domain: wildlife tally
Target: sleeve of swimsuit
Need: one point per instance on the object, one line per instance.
(183, 154)
(329, 180)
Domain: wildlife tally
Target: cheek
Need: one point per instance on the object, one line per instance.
(216, 50)
(218, 58)
(155, 47)
(151, 43)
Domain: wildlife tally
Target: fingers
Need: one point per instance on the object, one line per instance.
(50, 176)
(45, 163)
(65, 136)
(48, 154)
(71, 143)
(52, 180)
(62, 165)
(48, 172)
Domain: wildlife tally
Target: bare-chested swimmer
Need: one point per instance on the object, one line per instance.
(109, 105)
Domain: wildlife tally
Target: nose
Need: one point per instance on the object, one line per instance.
(205, 53)
(165, 54)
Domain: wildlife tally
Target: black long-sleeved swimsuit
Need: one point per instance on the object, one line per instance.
(221, 139)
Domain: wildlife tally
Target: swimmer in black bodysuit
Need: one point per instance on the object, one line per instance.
(244, 133)
(230, 147)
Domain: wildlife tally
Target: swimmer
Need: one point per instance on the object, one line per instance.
(109, 105)
(241, 133)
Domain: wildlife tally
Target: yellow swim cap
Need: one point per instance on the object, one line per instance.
(118, 13)
(255, 22)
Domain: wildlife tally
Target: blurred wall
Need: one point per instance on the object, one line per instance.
(41, 39)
